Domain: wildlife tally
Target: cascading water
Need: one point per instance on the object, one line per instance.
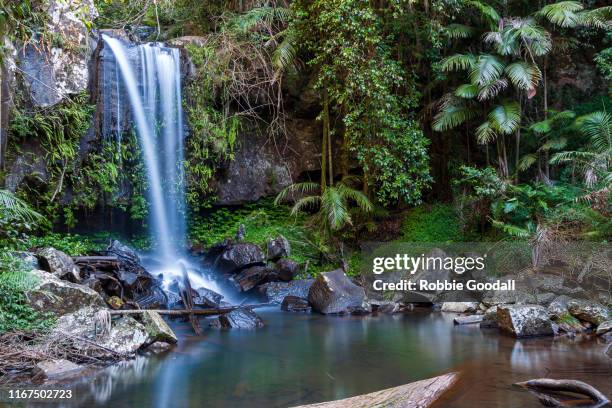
(151, 79)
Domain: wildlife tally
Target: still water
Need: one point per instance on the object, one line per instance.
(303, 358)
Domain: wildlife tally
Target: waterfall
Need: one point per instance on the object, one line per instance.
(150, 78)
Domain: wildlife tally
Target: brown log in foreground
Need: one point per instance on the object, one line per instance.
(417, 394)
(541, 385)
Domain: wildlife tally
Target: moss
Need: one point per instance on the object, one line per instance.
(432, 223)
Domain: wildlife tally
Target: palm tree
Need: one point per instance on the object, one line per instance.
(12, 207)
(333, 203)
(595, 161)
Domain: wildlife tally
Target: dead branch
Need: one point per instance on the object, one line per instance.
(542, 386)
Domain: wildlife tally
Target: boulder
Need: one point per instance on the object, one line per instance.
(126, 337)
(239, 256)
(558, 306)
(278, 247)
(473, 319)
(506, 297)
(242, 318)
(569, 324)
(59, 264)
(295, 304)
(30, 260)
(157, 329)
(129, 261)
(51, 294)
(588, 311)
(459, 307)
(286, 269)
(207, 297)
(604, 327)
(334, 293)
(384, 306)
(524, 320)
(489, 319)
(277, 291)
(609, 351)
(250, 277)
(56, 369)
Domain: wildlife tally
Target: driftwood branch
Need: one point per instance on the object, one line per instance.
(420, 394)
(542, 386)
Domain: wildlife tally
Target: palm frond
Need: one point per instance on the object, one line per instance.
(333, 209)
(526, 162)
(306, 203)
(257, 16)
(554, 144)
(451, 116)
(466, 91)
(485, 133)
(492, 89)
(524, 75)
(362, 201)
(296, 189)
(505, 118)
(457, 31)
(600, 18)
(488, 12)
(458, 62)
(486, 69)
(285, 53)
(597, 126)
(14, 207)
(562, 14)
(512, 230)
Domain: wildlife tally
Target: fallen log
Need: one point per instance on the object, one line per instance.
(183, 312)
(542, 386)
(417, 394)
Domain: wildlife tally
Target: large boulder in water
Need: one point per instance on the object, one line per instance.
(334, 293)
(157, 328)
(588, 311)
(277, 291)
(524, 320)
(242, 318)
(236, 257)
(58, 263)
(278, 247)
(250, 277)
(51, 294)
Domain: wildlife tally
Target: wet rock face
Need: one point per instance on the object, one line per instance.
(51, 74)
(334, 293)
(56, 369)
(250, 277)
(128, 259)
(277, 291)
(239, 256)
(558, 307)
(207, 297)
(295, 304)
(59, 264)
(605, 327)
(278, 247)
(243, 318)
(524, 320)
(157, 329)
(286, 269)
(59, 296)
(588, 311)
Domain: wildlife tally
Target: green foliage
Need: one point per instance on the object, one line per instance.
(15, 313)
(17, 219)
(432, 223)
(332, 203)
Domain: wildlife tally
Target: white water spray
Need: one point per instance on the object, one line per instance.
(151, 77)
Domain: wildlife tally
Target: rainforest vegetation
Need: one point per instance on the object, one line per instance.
(437, 121)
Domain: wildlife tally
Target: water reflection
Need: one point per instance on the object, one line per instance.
(300, 358)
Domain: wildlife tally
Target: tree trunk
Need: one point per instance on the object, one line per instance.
(544, 83)
(324, 154)
(327, 134)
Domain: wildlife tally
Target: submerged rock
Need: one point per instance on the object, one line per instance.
(334, 293)
(295, 304)
(250, 277)
(473, 319)
(239, 256)
(242, 318)
(277, 291)
(588, 311)
(59, 264)
(524, 320)
(56, 369)
(278, 247)
(384, 306)
(569, 324)
(59, 296)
